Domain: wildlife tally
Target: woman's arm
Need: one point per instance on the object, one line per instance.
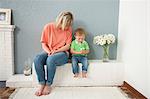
(68, 42)
(44, 38)
(64, 48)
(45, 47)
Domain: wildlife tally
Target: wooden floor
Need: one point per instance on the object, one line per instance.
(128, 92)
(6, 92)
(131, 92)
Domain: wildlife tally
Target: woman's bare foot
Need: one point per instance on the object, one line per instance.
(76, 75)
(47, 90)
(39, 91)
(84, 74)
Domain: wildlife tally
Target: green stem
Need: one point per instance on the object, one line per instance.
(106, 51)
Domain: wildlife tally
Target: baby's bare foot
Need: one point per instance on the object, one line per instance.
(39, 91)
(47, 90)
(76, 75)
(84, 74)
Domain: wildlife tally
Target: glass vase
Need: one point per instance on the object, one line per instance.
(105, 53)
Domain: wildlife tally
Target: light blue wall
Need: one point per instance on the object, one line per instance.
(30, 16)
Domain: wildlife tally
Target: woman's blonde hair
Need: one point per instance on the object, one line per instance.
(64, 19)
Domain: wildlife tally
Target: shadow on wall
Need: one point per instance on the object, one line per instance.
(89, 36)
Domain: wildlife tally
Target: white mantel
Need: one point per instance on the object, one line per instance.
(7, 28)
(6, 51)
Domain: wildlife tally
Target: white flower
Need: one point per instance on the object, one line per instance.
(108, 41)
(104, 39)
(97, 40)
(105, 36)
(111, 37)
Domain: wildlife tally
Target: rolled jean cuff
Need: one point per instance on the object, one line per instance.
(75, 72)
(84, 71)
(49, 84)
(42, 82)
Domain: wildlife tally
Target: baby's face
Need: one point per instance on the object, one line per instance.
(80, 38)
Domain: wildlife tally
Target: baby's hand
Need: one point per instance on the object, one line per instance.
(79, 52)
(83, 52)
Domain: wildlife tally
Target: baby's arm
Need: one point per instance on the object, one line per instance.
(75, 52)
(85, 51)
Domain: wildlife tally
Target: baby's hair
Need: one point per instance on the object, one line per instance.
(80, 31)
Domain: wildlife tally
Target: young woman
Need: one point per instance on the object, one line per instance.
(56, 39)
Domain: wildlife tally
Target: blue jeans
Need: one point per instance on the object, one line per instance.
(51, 61)
(79, 59)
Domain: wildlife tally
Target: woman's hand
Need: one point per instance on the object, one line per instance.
(52, 52)
(49, 53)
(46, 48)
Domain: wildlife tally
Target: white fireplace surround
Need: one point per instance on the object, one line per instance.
(6, 51)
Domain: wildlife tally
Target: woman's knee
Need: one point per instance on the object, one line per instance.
(40, 58)
(37, 59)
(50, 60)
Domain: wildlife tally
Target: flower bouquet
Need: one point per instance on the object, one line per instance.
(105, 41)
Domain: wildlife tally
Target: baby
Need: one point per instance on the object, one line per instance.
(79, 50)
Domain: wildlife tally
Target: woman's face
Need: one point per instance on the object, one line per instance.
(67, 25)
